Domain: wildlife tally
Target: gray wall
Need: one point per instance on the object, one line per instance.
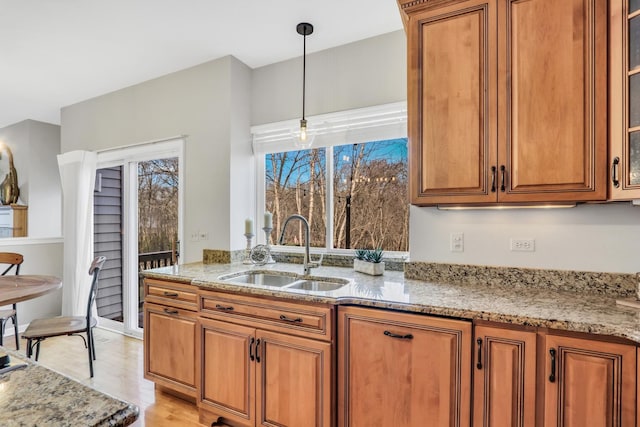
(196, 102)
(35, 146)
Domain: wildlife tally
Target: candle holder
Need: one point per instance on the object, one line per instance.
(247, 251)
(267, 233)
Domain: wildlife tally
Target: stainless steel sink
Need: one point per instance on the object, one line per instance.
(260, 278)
(285, 280)
(317, 285)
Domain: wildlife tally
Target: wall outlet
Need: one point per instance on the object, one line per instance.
(457, 242)
(204, 235)
(523, 245)
(195, 236)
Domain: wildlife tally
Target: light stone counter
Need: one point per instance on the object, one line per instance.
(537, 305)
(37, 396)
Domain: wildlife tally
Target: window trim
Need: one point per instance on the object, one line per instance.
(380, 122)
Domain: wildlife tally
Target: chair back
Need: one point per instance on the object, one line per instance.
(13, 259)
(94, 270)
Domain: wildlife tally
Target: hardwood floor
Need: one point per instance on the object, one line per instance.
(118, 371)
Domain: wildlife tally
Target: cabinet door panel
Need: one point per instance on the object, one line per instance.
(227, 373)
(389, 380)
(594, 383)
(293, 382)
(170, 347)
(553, 102)
(504, 377)
(452, 110)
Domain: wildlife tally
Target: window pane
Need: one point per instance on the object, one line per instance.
(296, 184)
(634, 43)
(634, 5)
(371, 209)
(634, 158)
(634, 100)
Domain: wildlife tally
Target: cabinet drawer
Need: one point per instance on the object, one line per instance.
(170, 293)
(301, 319)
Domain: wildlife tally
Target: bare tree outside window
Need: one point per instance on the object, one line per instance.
(370, 195)
(296, 184)
(157, 204)
(370, 207)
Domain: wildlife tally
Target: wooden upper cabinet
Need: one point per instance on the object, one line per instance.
(507, 100)
(452, 103)
(589, 383)
(624, 106)
(552, 86)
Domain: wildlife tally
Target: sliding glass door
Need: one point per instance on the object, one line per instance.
(137, 225)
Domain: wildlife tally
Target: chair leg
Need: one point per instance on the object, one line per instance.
(37, 350)
(93, 344)
(2, 323)
(15, 329)
(90, 352)
(29, 348)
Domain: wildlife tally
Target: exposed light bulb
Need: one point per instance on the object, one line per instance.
(304, 138)
(303, 131)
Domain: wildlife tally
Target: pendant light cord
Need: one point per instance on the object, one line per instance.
(304, 71)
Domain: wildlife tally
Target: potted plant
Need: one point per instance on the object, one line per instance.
(369, 261)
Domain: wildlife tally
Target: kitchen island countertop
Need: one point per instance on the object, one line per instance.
(530, 306)
(37, 396)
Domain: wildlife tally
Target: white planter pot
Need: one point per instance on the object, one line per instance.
(371, 268)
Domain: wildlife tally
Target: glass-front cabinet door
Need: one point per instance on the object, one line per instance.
(625, 99)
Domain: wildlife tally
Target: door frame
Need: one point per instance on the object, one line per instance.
(128, 157)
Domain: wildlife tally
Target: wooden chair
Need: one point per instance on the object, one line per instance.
(41, 329)
(15, 261)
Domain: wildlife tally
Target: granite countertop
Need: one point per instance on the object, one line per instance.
(521, 305)
(37, 396)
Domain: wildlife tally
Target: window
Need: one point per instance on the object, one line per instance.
(351, 186)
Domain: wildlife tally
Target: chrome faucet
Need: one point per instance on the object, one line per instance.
(308, 265)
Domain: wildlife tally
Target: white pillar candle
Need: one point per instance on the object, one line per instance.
(268, 220)
(248, 226)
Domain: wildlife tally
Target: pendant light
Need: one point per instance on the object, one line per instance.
(304, 139)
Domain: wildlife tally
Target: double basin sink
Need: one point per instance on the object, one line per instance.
(285, 280)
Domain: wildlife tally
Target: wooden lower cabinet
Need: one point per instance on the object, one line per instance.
(252, 377)
(589, 383)
(504, 379)
(398, 369)
(170, 347)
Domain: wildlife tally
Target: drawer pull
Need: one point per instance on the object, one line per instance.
(479, 362)
(402, 337)
(493, 179)
(224, 307)
(170, 294)
(258, 350)
(503, 172)
(170, 311)
(251, 356)
(552, 377)
(289, 319)
(614, 172)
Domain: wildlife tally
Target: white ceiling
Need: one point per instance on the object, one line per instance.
(55, 53)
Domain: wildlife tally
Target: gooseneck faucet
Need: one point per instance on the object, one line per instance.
(307, 264)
